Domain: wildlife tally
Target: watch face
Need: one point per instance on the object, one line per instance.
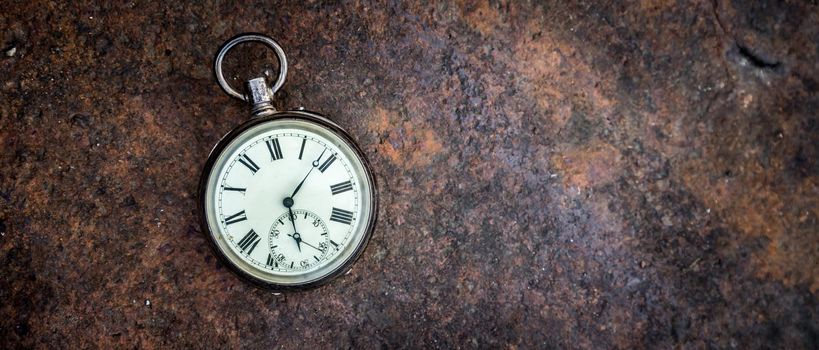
(288, 200)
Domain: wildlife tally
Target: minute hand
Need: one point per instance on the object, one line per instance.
(315, 165)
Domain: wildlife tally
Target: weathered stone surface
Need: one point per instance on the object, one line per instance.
(560, 175)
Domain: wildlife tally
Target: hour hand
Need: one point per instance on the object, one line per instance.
(298, 242)
(297, 238)
(295, 234)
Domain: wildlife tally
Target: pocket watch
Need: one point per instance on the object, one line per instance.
(287, 199)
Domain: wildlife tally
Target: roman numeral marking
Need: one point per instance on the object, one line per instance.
(240, 216)
(244, 159)
(270, 260)
(327, 163)
(249, 241)
(341, 187)
(342, 216)
(228, 188)
(301, 151)
(274, 148)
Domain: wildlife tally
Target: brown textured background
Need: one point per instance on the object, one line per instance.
(557, 174)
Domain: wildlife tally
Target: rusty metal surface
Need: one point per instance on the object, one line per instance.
(557, 174)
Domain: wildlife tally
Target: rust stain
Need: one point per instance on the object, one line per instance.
(483, 17)
(655, 7)
(589, 166)
(558, 75)
(538, 62)
(751, 203)
(405, 144)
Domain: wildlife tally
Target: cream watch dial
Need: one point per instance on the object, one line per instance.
(288, 202)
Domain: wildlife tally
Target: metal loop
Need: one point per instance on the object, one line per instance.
(217, 65)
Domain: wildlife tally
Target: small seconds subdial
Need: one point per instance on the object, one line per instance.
(298, 239)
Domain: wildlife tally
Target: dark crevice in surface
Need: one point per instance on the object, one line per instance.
(754, 57)
(757, 60)
(717, 17)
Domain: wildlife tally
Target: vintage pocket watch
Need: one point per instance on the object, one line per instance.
(286, 199)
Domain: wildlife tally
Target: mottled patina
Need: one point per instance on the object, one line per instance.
(553, 174)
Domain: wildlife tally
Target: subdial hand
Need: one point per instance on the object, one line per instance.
(308, 244)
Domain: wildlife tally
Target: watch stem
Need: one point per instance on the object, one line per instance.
(260, 97)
